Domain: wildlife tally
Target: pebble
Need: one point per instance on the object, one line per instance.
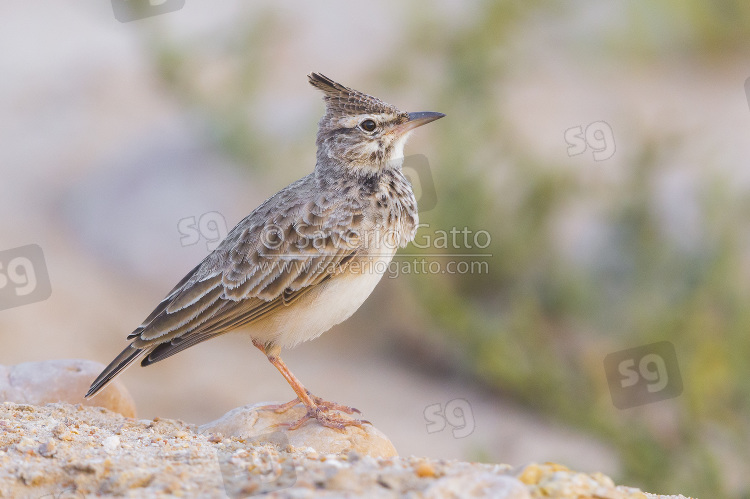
(111, 443)
(61, 380)
(425, 469)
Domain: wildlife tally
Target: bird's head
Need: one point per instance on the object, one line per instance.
(361, 133)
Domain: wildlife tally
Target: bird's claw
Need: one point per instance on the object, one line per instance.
(327, 420)
(324, 405)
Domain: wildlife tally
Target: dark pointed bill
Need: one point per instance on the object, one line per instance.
(419, 119)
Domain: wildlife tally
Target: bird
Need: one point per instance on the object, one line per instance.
(305, 259)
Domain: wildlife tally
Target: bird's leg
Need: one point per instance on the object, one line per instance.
(315, 410)
(279, 408)
(323, 404)
(316, 407)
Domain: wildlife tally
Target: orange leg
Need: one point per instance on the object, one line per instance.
(316, 406)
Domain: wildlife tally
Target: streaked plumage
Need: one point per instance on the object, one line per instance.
(298, 264)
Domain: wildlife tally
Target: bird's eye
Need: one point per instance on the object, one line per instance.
(368, 125)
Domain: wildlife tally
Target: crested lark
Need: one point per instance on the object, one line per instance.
(306, 258)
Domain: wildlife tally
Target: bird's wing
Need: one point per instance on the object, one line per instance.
(290, 244)
(293, 242)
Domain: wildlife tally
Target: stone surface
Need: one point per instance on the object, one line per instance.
(248, 422)
(63, 380)
(477, 484)
(60, 450)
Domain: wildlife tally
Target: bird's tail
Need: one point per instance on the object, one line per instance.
(121, 362)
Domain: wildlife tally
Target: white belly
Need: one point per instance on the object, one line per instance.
(317, 311)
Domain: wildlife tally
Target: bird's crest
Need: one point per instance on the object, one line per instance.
(341, 100)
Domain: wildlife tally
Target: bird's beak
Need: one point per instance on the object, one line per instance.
(417, 119)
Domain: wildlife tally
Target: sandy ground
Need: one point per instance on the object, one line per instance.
(67, 451)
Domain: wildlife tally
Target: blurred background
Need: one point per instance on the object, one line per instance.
(599, 145)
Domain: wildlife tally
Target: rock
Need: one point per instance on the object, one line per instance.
(60, 450)
(482, 484)
(555, 480)
(64, 380)
(249, 423)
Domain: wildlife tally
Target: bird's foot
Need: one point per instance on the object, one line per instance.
(323, 405)
(279, 408)
(327, 420)
(333, 406)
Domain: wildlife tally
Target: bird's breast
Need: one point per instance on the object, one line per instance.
(327, 304)
(394, 209)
